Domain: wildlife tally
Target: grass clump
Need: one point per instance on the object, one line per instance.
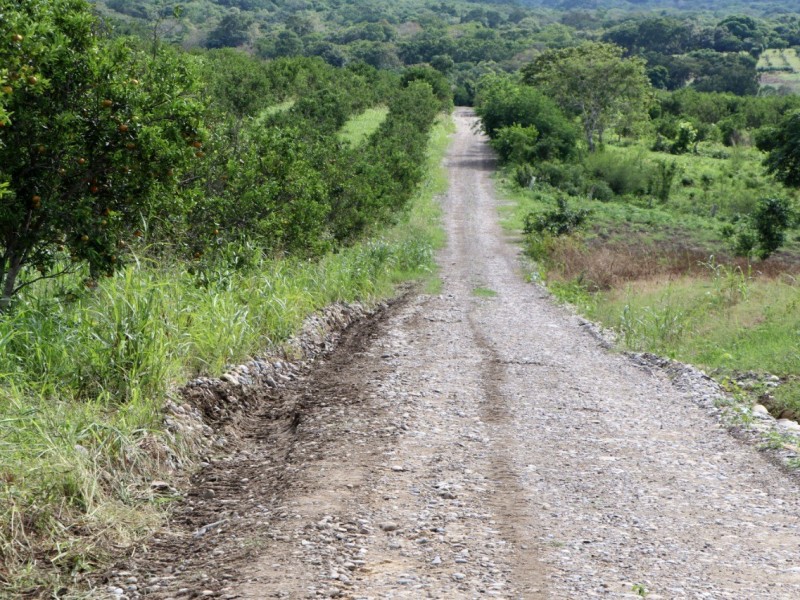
(483, 292)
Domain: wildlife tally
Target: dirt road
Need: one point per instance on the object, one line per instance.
(481, 443)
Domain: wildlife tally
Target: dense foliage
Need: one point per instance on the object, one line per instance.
(107, 141)
(527, 117)
(93, 137)
(713, 47)
(594, 82)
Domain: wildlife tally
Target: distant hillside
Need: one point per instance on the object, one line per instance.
(757, 7)
(714, 44)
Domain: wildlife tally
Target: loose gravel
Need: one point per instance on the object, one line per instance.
(468, 445)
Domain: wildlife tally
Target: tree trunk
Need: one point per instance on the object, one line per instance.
(8, 279)
(589, 138)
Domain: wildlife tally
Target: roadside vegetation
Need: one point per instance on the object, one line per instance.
(165, 215)
(679, 230)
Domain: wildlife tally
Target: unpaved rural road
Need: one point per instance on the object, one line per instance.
(476, 445)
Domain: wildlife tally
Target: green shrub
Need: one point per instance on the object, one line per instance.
(764, 232)
(685, 138)
(662, 179)
(502, 102)
(568, 177)
(600, 190)
(524, 175)
(516, 144)
(561, 221)
(623, 176)
(770, 220)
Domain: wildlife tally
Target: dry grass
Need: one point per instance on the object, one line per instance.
(604, 266)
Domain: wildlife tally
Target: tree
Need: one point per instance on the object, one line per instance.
(438, 82)
(232, 31)
(720, 72)
(783, 159)
(501, 103)
(595, 82)
(771, 219)
(288, 44)
(93, 135)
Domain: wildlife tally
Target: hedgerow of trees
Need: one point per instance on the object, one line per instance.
(109, 144)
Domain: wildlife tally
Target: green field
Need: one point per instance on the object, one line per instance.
(360, 127)
(780, 69)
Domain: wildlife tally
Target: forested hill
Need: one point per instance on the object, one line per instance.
(764, 7)
(714, 46)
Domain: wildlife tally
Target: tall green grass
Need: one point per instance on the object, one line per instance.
(728, 321)
(84, 374)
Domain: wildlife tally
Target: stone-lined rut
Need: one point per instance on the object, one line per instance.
(469, 445)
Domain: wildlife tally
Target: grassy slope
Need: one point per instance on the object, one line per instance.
(661, 287)
(83, 380)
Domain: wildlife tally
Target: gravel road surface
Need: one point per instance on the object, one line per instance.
(480, 443)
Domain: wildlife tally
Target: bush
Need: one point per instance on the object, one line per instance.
(524, 175)
(600, 190)
(770, 221)
(623, 176)
(568, 177)
(502, 102)
(662, 179)
(561, 221)
(516, 144)
(686, 136)
(764, 232)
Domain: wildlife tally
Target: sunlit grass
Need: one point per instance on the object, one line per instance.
(646, 269)
(360, 127)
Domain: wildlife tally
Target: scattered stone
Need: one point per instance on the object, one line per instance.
(759, 410)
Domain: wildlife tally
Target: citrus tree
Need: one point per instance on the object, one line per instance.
(93, 135)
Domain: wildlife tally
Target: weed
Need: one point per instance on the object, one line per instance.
(773, 440)
(561, 221)
(653, 328)
(482, 292)
(731, 283)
